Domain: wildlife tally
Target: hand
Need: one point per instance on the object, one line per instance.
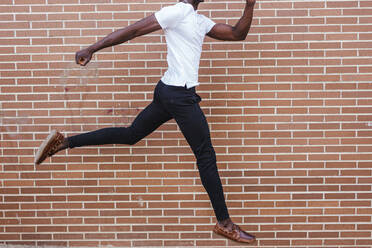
(251, 2)
(83, 57)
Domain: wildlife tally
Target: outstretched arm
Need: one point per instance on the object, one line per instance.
(146, 25)
(239, 31)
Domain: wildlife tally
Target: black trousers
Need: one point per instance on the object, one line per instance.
(169, 102)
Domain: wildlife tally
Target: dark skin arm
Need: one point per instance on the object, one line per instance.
(144, 26)
(240, 30)
(150, 24)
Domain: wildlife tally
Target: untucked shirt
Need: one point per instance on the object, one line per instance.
(184, 30)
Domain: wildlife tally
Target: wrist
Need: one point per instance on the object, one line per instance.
(91, 49)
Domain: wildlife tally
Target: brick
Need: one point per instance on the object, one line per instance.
(302, 242)
(83, 243)
(283, 108)
(36, 236)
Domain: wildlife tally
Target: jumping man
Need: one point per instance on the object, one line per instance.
(174, 96)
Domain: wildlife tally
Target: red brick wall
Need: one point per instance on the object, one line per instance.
(289, 111)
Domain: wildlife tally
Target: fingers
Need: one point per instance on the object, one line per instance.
(82, 61)
(82, 58)
(76, 58)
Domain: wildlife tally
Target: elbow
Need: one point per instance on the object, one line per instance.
(135, 31)
(131, 33)
(240, 37)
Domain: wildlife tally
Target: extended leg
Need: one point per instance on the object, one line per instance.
(144, 124)
(194, 127)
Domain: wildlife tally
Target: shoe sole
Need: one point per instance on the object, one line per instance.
(49, 142)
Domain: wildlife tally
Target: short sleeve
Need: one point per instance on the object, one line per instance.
(207, 23)
(168, 17)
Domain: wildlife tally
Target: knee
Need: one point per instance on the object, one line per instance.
(133, 137)
(132, 141)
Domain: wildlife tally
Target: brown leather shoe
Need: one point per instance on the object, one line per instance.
(49, 146)
(234, 233)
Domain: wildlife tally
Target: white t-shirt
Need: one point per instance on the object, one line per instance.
(184, 30)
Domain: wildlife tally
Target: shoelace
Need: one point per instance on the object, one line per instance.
(233, 227)
(54, 148)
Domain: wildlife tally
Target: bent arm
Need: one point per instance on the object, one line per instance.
(239, 31)
(144, 26)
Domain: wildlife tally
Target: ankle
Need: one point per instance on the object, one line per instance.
(225, 222)
(65, 143)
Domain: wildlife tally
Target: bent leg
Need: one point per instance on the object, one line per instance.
(145, 123)
(194, 127)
